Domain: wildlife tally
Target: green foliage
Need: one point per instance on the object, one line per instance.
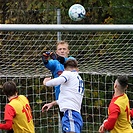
(44, 12)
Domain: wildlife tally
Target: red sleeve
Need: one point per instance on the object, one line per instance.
(131, 113)
(8, 117)
(7, 125)
(114, 111)
(9, 112)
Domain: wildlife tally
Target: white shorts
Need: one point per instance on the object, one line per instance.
(72, 121)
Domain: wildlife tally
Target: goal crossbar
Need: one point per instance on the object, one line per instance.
(64, 27)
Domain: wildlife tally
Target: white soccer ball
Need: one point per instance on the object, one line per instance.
(76, 12)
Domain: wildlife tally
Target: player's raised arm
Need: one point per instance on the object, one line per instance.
(45, 80)
(54, 82)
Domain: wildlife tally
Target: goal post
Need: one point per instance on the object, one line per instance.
(102, 51)
(65, 27)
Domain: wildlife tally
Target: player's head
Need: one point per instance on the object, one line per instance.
(9, 88)
(121, 83)
(62, 48)
(71, 63)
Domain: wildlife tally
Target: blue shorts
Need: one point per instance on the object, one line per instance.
(72, 121)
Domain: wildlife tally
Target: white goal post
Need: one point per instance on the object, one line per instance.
(65, 27)
(102, 51)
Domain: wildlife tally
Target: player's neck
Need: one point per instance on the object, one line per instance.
(12, 97)
(118, 93)
(72, 70)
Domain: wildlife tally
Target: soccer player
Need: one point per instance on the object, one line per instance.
(70, 97)
(56, 63)
(17, 112)
(118, 120)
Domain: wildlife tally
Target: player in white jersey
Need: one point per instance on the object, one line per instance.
(70, 97)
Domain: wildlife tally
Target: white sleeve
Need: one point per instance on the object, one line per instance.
(56, 81)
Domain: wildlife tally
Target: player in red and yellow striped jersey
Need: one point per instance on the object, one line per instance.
(118, 120)
(17, 112)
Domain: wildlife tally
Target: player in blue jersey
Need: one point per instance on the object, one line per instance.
(56, 63)
(70, 97)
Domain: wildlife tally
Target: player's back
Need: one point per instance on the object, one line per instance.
(123, 124)
(22, 122)
(71, 92)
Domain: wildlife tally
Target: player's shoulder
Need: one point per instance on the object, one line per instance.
(70, 57)
(122, 100)
(22, 97)
(67, 73)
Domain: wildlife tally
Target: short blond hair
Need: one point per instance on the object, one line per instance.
(62, 43)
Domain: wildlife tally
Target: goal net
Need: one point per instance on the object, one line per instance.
(102, 51)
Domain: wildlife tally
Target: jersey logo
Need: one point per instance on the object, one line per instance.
(66, 128)
(59, 73)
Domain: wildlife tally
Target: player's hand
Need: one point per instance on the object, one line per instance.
(61, 59)
(45, 80)
(101, 129)
(53, 55)
(46, 55)
(46, 107)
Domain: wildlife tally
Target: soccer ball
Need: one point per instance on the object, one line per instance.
(76, 12)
